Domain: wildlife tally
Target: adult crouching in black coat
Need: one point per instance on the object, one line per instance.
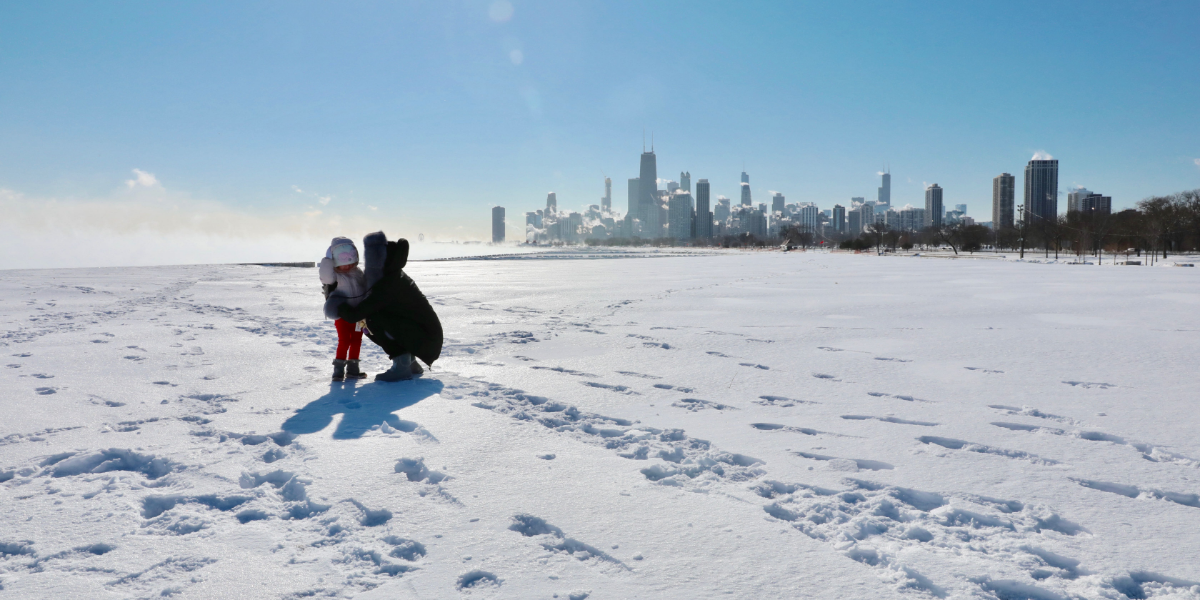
(399, 317)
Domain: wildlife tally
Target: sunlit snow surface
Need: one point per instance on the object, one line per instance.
(747, 425)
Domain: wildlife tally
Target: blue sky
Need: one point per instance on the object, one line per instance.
(422, 115)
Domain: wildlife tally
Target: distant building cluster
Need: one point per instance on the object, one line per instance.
(658, 209)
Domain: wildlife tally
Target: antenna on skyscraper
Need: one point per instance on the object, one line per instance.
(643, 140)
(652, 142)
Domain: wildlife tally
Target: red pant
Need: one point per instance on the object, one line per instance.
(348, 340)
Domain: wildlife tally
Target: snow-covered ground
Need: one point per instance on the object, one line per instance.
(748, 425)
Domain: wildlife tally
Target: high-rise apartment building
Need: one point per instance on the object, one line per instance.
(606, 201)
(854, 223)
(679, 215)
(808, 214)
(551, 203)
(685, 181)
(885, 191)
(497, 224)
(1095, 204)
(634, 190)
(933, 206)
(1041, 191)
(839, 218)
(704, 216)
(1074, 198)
(1003, 194)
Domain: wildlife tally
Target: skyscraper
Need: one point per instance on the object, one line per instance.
(1003, 191)
(854, 223)
(866, 216)
(649, 206)
(685, 181)
(497, 224)
(962, 208)
(606, 201)
(808, 216)
(551, 203)
(778, 204)
(885, 191)
(634, 190)
(704, 216)
(746, 189)
(1075, 198)
(839, 218)
(722, 211)
(1041, 191)
(679, 215)
(933, 206)
(1096, 205)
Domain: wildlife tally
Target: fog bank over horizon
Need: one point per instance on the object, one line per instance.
(147, 225)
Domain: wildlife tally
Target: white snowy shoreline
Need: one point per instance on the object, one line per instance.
(745, 424)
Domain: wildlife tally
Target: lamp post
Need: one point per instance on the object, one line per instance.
(1021, 239)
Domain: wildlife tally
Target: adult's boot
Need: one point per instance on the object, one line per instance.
(400, 371)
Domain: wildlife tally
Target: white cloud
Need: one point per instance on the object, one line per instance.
(1042, 155)
(1197, 161)
(500, 11)
(516, 56)
(142, 179)
(372, 207)
(324, 200)
(298, 190)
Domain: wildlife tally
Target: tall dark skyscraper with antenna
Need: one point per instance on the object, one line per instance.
(649, 209)
(606, 201)
(885, 190)
(746, 201)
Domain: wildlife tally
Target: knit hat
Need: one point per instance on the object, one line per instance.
(343, 252)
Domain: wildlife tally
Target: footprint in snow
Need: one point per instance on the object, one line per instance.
(642, 375)
(859, 464)
(46, 391)
(889, 420)
(780, 401)
(981, 369)
(1087, 385)
(664, 386)
(756, 366)
(695, 404)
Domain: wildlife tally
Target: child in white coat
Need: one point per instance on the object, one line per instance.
(344, 283)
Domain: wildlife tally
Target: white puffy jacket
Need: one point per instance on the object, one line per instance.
(349, 287)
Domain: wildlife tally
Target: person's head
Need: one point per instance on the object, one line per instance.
(344, 255)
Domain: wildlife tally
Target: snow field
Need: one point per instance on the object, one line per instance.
(754, 425)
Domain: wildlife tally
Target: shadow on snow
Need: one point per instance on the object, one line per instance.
(362, 407)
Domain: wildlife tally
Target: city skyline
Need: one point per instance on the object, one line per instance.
(314, 120)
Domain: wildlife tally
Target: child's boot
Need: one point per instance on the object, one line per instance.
(352, 371)
(400, 371)
(339, 369)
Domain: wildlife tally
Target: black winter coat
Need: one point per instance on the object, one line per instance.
(399, 317)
